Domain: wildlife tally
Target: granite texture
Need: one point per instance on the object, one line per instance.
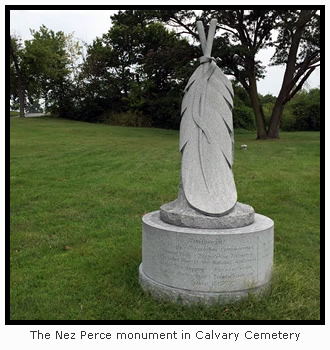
(206, 136)
(187, 297)
(227, 262)
(180, 213)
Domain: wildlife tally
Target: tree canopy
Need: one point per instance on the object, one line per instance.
(244, 33)
(41, 68)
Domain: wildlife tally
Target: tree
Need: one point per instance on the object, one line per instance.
(98, 89)
(34, 107)
(298, 46)
(17, 87)
(268, 98)
(49, 67)
(139, 66)
(163, 70)
(243, 34)
(42, 68)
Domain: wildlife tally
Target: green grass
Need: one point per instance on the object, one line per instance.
(14, 113)
(77, 195)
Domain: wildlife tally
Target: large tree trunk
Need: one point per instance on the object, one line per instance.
(274, 126)
(257, 108)
(291, 75)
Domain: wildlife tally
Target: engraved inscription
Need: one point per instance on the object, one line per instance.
(197, 260)
(266, 249)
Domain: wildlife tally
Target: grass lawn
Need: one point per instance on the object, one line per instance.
(77, 195)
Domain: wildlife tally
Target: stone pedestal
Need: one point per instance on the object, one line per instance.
(192, 265)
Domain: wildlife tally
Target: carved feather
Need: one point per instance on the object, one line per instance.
(206, 137)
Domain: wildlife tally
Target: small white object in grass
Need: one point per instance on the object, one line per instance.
(244, 147)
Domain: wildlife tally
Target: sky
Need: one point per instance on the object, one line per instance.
(88, 24)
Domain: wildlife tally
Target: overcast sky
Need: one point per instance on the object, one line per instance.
(88, 24)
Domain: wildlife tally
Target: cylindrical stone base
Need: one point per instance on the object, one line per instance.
(209, 266)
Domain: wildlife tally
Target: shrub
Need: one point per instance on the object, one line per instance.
(243, 118)
(129, 118)
(314, 113)
(306, 108)
(288, 120)
(165, 112)
(268, 98)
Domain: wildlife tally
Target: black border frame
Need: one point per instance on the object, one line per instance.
(8, 321)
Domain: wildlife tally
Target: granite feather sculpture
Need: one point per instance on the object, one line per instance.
(206, 135)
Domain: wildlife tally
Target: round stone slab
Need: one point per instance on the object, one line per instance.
(182, 296)
(179, 213)
(191, 265)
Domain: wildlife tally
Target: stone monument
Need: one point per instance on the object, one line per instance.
(205, 246)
